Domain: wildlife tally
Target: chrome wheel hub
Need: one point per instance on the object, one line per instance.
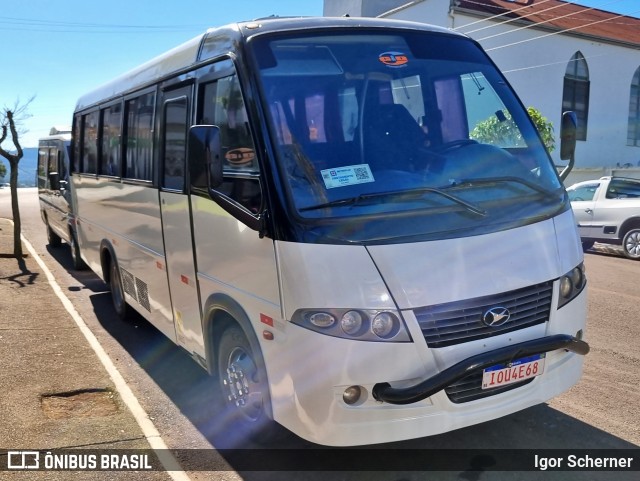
(237, 386)
(241, 389)
(632, 245)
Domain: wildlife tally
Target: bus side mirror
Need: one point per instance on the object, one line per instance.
(568, 132)
(568, 135)
(205, 153)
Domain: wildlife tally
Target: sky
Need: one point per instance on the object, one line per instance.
(54, 52)
(57, 51)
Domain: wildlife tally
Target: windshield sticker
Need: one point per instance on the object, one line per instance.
(240, 156)
(394, 59)
(348, 175)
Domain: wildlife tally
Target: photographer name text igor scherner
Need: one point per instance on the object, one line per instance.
(582, 462)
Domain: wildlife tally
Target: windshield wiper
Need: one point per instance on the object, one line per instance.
(495, 180)
(353, 201)
(335, 203)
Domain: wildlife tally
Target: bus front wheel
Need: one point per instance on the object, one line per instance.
(245, 390)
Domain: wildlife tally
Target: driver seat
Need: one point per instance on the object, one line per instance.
(392, 137)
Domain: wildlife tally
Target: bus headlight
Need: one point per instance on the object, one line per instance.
(351, 322)
(355, 324)
(571, 284)
(384, 325)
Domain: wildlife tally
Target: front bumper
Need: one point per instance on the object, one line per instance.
(428, 387)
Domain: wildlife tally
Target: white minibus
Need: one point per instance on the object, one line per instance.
(54, 191)
(352, 224)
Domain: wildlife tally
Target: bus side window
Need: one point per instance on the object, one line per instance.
(62, 165)
(53, 161)
(138, 161)
(176, 116)
(224, 107)
(43, 163)
(90, 143)
(76, 143)
(110, 152)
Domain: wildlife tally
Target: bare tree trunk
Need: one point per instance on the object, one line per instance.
(17, 224)
(9, 126)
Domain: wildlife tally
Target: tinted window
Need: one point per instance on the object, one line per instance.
(90, 143)
(175, 141)
(110, 155)
(53, 160)
(139, 147)
(406, 134)
(42, 167)
(623, 189)
(77, 143)
(223, 106)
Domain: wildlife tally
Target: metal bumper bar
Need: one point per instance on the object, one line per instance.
(428, 387)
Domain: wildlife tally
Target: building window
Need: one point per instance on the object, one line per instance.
(633, 133)
(575, 95)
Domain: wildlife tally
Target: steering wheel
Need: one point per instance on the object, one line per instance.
(454, 144)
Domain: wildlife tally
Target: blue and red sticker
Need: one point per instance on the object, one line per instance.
(394, 59)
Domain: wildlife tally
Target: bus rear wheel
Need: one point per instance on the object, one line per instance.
(117, 291)
(245, 391)
(52, 238)
(76, 258)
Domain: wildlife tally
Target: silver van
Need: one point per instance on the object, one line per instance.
(54, 193)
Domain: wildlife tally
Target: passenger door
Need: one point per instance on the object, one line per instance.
(620, 202)
(175, 120)
(58, 191)
(57, 161)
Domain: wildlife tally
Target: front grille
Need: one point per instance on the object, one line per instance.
(469, 388)
(461, 321)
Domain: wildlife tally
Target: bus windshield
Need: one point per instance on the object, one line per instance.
(400, 136)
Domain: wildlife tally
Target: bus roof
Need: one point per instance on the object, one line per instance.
(218, 41)
(58, 132)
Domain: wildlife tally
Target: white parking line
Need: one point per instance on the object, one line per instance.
(149, 430)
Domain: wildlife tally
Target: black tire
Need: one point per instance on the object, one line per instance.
(586, 245)
(245, 392)
(76, 259)
(53, 238)
(117, 291)
(631, 244)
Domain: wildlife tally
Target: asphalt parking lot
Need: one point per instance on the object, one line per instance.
(601, 412)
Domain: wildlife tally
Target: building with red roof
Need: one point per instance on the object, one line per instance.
(558, 55)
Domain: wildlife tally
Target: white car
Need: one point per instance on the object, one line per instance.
(608, 210)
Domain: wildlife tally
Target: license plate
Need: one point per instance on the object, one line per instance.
(518, 370)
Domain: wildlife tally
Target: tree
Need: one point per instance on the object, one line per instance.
(10, 119)
(502, 131)
(544, 126)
